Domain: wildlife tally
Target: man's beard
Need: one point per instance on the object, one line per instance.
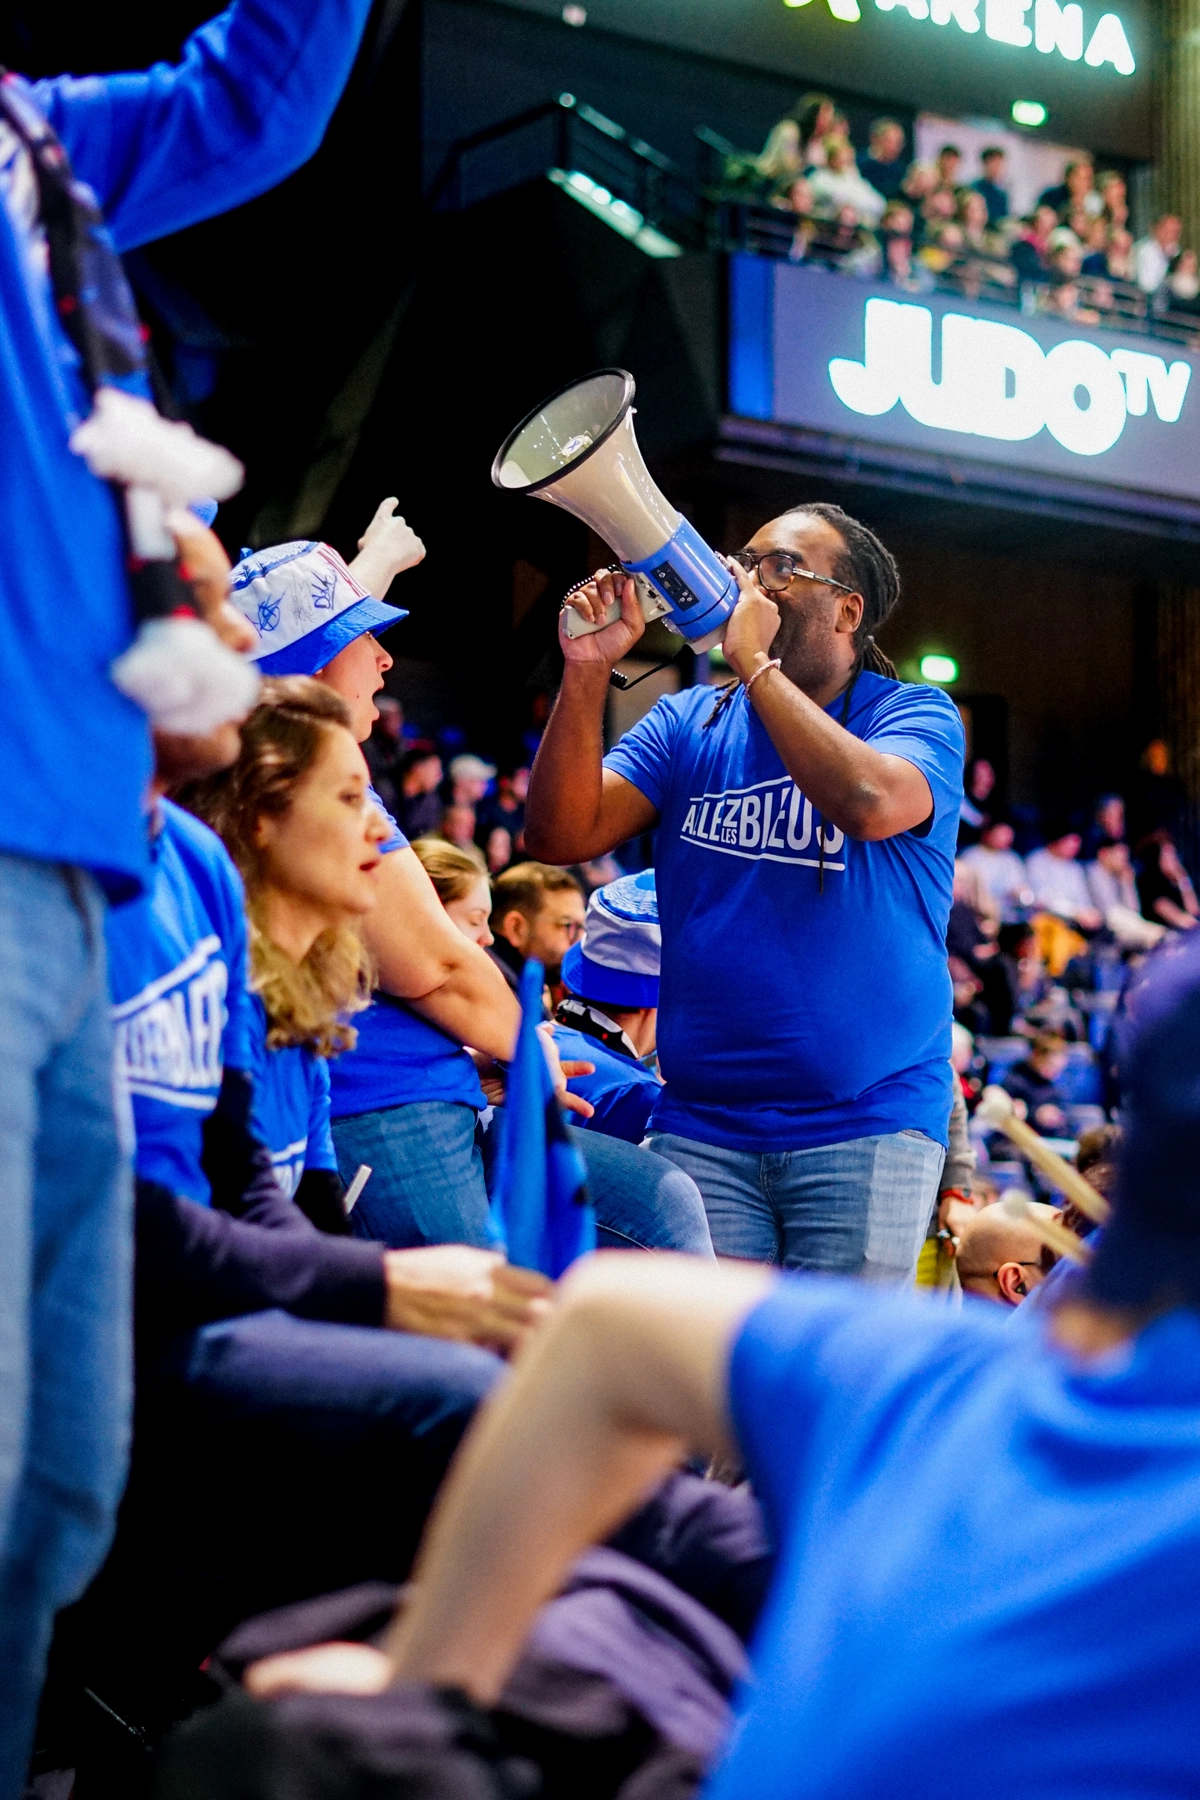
(805, 648)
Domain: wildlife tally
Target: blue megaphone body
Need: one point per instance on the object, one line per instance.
(578, 450)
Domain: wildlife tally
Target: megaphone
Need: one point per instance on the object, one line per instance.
(578, 450)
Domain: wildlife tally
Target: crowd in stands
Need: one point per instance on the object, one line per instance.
(919, 225)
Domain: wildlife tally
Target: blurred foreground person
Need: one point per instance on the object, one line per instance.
(246, 104)
(1063, 1460)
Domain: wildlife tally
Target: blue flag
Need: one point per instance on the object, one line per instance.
(541, 1206)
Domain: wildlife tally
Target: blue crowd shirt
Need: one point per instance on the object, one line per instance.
(290, 1113)
(790, 1017)
(971, 1527)
(621, 1090)
(177, 973)
(247, 103)
(400, 1057)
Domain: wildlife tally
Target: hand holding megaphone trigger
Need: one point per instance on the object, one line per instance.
(605, 595)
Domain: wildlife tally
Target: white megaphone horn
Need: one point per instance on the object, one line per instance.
(577, 450)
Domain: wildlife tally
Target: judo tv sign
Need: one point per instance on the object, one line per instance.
(969, 381)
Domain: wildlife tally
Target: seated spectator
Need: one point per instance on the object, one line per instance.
(537, 911)
(1025, 975)
(459, 824)
(900, 267)
(1059, 883)
(610, 1009)
(1120, 264)
(470, 779)
(1181, 289)
(498, 849)
(506, 807)
(1095, 242)
(1108, 820)
(838, 186)
(883, 165)
(971, 932)
(1077, 188)
(1034, 1080)
(949, 162)
(1164, 886)
(285, 812)
(1157, 799)
(775, 168)
(991, 184)
(461, 885)
(815, 117)
(1000, 1256)
(979, 784)
(1114, 893)
(1114, 197)
(1030, 251)
(418, 776)
(1154, 254)
(1001, 870)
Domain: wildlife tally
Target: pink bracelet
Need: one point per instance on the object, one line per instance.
(775, 663)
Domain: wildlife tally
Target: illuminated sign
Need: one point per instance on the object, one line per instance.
(1054, 30)
(997, 382)
(964, 382)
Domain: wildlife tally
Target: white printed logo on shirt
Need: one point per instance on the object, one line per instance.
(288, 1165)
(169, 1035)
(769, 822)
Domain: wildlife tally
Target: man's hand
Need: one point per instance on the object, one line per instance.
(386, 548)
(457, 1291)
(753, 626)
(561, 1073)
(606, 647)
(320, 1669)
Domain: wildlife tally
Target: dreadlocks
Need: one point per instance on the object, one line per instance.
(870, 569)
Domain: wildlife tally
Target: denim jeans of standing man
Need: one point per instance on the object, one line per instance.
(857, 1208)
(65, 1257)
(430, 1182)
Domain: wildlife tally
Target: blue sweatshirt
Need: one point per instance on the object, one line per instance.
(246, 105)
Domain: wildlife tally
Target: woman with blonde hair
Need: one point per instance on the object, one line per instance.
(295, 816)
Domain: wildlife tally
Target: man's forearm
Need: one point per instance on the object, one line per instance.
(866, 795)
(562, 820)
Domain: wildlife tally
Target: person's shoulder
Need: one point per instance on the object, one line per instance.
(908, 703)
(199, 846)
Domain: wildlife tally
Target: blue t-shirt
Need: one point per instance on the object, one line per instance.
(290, 1114)
(399, 1056)
(622, 1092)
(791, 1018)
(177, 973)
(246, 104)
(989, 1556)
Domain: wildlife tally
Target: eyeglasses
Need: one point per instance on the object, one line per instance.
(777, 569)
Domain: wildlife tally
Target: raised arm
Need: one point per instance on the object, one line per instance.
(629, 1373)
(576, 808)
(423, 959)
(246, 104)
(864, 792)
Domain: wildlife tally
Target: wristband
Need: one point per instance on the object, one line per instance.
(775, 663)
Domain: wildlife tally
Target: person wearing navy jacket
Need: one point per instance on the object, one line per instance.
(246, 104)
(611, 1009)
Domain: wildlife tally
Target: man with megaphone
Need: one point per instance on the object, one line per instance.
(806, 822)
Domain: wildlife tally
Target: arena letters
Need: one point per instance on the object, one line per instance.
(998, 382)
(769, 822)
(169, 1035)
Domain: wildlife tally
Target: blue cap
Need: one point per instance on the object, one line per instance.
(304, 605)
(1151, 1245)
(619, 959)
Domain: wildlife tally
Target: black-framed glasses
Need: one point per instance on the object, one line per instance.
(777, 569)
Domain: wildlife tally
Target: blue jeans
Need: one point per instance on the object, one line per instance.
(427, 1183)
(858, 1208)
(275, 1458)
(65, 1258)
(430, 1182)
